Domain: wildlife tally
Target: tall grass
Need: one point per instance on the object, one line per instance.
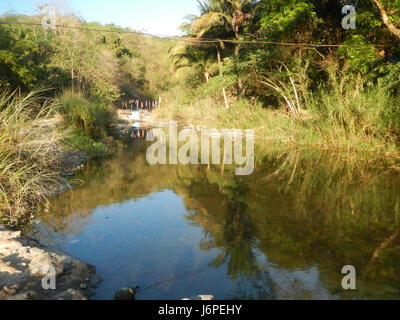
(90, 115)
(349, 113)
(29, 149)
(88, 119)
(344, 113)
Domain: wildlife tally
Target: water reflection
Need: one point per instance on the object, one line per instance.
(285, 232)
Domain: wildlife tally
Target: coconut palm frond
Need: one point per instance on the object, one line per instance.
(209, 20)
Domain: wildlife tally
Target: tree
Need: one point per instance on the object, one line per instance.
(24, 55)
(231, 14)
(207, 29)
(197, 58)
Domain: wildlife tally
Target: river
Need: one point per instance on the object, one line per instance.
(283, 232)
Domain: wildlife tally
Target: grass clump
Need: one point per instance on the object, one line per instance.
(88, 119)
(29, 150)
(349, 113)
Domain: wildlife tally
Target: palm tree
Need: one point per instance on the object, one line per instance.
(209, 32)
(203, 27)
(198, 58)
(230, 14)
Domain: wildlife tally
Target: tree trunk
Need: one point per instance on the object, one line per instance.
(237, 49)
(206, 76)
(225, 98)
(219, 60)
(386, 19)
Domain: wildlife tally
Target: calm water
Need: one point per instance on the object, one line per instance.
(285, 232)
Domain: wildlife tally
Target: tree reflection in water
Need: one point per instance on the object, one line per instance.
(308, 213)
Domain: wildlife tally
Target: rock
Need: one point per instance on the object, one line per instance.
(201, 298)
(8, 290)
(5, 267)
(24, 262)
(40, 261)
(30, 295)
(68, 174)
(69, 294)
(125, 294)
(72, 159)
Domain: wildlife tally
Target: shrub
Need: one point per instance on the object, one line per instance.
(79, 139)
(213, 88)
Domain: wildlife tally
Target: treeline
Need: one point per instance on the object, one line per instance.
(298, 56)
(103, 61)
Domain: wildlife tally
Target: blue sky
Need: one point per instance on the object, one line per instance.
(155, 16)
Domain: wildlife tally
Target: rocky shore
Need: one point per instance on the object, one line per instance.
(24, 263)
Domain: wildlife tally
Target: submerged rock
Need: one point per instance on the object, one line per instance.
(125, 294)
(30, 295)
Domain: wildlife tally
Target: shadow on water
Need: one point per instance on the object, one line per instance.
(284, 232)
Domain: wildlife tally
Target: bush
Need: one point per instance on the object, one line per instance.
(92, 116)
(79, 139)
(213, 88)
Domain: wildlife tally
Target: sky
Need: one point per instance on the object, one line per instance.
(161, 17)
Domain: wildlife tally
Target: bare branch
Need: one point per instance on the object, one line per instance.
(386, 19)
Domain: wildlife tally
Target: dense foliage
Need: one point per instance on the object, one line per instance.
(298, 56)
(370, 49)
(104, 61)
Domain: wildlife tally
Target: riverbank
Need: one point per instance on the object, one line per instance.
(42, 141)
(23, 263)
(285, 129)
